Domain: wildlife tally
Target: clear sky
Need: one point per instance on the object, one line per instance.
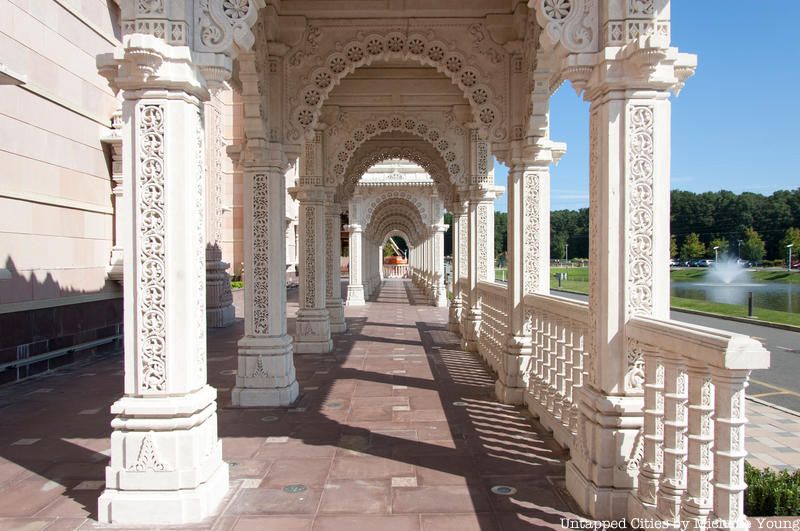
(735, 125)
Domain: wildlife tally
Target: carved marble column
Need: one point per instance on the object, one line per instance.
(114, 141)
(220, 311)
(166, 459)
(456, 309)
(313, 328)
(629, 248)
(528, 257)
(355, 288)
(439, 291)
(333, 281)
(480, 264)
(266, 373)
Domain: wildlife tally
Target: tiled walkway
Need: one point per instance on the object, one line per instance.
(396, 429)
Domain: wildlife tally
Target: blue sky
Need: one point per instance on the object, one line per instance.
(736, 124)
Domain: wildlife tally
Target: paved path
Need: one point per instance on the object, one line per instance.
(396, 429)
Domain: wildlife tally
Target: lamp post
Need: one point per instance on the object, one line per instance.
(790, 255)
(716, 254)
(739, 249)
(566, 252)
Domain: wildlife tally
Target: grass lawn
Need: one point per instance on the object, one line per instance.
(577, 281)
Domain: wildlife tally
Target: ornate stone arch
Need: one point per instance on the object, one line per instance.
(436, 169)
(393, 222)
(395, 199)
(313, 83)
(447, 143)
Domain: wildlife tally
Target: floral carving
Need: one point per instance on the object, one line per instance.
(261, 258)
(640, 210)
(634, 376)
(147, 460)
(462, 246)
(309, 275)
(531, 224)
(150, 7)
(260, 371)
(641, 7)
(483, 243)
(595, 256)
(557, 9)
(223, 24)
(332, 267)
(200, 242)
(151, 241)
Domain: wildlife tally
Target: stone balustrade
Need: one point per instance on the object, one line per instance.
(395, 271)
(494, 322)
(556, 367)
(690, 451)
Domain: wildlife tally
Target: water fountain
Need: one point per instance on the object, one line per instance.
(726, 271)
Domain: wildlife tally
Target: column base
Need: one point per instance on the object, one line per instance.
(164, 507)
(220, 317)
(313, 332)
(336, 312)
(509, 395)
(166, 460)
(600, 503)
(355, 296)
(266, 374)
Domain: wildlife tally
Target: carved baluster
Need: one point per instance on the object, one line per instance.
(673, 479)
(566, 371)
(561, 354)
(555, 340)
(651, 466)
(578, 354)
(696, 504)
(729, 451)
(538, 355)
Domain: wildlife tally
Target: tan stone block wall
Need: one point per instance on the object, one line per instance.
(56, 213)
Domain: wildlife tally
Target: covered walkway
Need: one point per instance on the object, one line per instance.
(397, 428)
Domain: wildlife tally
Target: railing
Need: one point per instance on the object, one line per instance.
(395, 271)
(690, 451)
(556, 367)
(494, 322)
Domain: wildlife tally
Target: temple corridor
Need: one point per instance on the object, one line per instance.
(397, 428)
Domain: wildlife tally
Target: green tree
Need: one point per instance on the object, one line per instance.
(692, 248)
(500, 233)
(792, 237)
(673, 246)
(723, 245)
(753, 247)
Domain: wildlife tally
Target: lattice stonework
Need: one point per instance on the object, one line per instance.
(310, 254)
(531, 243)
(595, 244)
(260, 274)
(200, 244)
(151, 242)
(330, 230)
(462, 247)
(483, 257)
(640, 210)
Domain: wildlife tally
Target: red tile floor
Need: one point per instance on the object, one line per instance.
(397, 429)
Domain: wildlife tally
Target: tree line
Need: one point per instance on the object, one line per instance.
(748, 225)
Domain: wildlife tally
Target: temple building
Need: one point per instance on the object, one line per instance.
(155, 150)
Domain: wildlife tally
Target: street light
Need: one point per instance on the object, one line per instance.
(716, 254)
(739, 249)
(566, 252)
(790, 255)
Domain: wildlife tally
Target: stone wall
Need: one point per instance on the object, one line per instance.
(56, 227)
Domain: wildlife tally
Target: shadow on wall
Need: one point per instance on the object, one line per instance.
(45, 325)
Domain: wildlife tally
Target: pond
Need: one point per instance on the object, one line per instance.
(772, 296)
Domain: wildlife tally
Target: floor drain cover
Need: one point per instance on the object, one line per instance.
(269, 418)
(460, 404)
(294, 489)
(504, 490)
(333, 405)
(228, 372)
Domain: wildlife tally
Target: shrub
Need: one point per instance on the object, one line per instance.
(774, 263)
(771, 493)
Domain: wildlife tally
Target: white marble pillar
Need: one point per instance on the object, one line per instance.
(439, 291)
(266, 374)
(629, 250)
(355, 288)
(220, 311)
(333, 280)
(313, 330)
(480, 263)
(166, 459)
(459, 263)
(114, 141)
(528, 258)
